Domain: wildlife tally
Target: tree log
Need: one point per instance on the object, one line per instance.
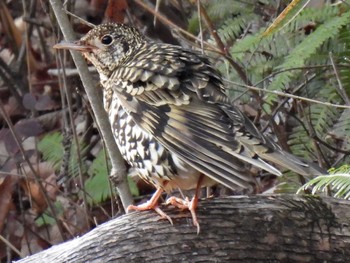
(278, 228)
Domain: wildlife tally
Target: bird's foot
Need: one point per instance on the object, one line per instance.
(149, 206)
(186, 204)
(152, 204)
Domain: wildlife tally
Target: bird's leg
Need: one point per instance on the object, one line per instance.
(190, 205)
(151, 204)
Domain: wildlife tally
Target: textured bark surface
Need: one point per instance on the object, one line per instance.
(233, 229)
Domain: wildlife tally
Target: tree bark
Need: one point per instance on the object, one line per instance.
(278, 228)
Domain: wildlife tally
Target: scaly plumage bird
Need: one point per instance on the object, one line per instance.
(171, 117)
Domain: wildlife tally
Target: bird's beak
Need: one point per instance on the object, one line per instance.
(77, 45)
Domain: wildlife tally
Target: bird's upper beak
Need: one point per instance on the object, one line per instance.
(77, 45)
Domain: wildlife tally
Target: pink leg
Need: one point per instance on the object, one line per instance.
(151, 204)
(190, 205)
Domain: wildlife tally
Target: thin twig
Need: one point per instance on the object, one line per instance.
(30, 165)
(311, 131)
(200, 25)
(329, 146)
(221, 45)
(70, 72)
(275, 73)
(118, 167)
(288, 95)
(280, 105)
(80, 19)
(174, 26)
(8, 243)
(70, 128)
(12, 83)
(340, 87)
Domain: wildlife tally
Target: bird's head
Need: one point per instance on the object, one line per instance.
(106, 45)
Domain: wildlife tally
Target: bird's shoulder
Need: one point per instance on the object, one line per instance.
(162, 73)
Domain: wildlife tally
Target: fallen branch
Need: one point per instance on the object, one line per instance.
(286, 228)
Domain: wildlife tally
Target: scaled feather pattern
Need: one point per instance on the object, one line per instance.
(171, 117)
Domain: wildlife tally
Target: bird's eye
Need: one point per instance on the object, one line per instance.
(106, 40)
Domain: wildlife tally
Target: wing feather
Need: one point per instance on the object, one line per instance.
(187, 111)
(208, 148)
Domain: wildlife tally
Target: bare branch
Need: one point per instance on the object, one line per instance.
(118, 172)
(287, 228)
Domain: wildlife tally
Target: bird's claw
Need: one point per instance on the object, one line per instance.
(150, 206)
(186, 204)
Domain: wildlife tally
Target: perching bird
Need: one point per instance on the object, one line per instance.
(172, 119)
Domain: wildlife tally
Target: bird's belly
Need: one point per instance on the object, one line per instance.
(149, 158)
(188, 182)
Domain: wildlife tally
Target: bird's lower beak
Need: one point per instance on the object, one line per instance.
(78, 46)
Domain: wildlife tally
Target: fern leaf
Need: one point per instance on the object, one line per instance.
(337, 181)
(98, 185)
(341, 129)
(224, 8)
(232, 28)
(322, 119)
(309, 46)
(51, 148)
(340, 183)
(344, 57)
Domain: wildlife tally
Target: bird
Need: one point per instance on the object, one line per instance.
(172, 119)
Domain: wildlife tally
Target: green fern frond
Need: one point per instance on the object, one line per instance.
(294, 59)
(233, 27)
(245, 46)
(341, 130)
(98, 186)
(52, 150)
(315, 15)
(302, 52)
(300, 143)
(226, 8)
(344, 169)
(289, 183)
(338, 182)
(322, 119)
(222, 10)
(344, 58)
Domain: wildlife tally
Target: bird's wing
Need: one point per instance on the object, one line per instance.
(200, 135)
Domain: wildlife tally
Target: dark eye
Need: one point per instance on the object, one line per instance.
(106, 40)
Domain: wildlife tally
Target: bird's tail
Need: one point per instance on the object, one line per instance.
(292, 162)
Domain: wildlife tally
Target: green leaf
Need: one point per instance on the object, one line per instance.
(302, 52)
(338, 181)
(52, 149)
(98, 185)
(46, 218)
